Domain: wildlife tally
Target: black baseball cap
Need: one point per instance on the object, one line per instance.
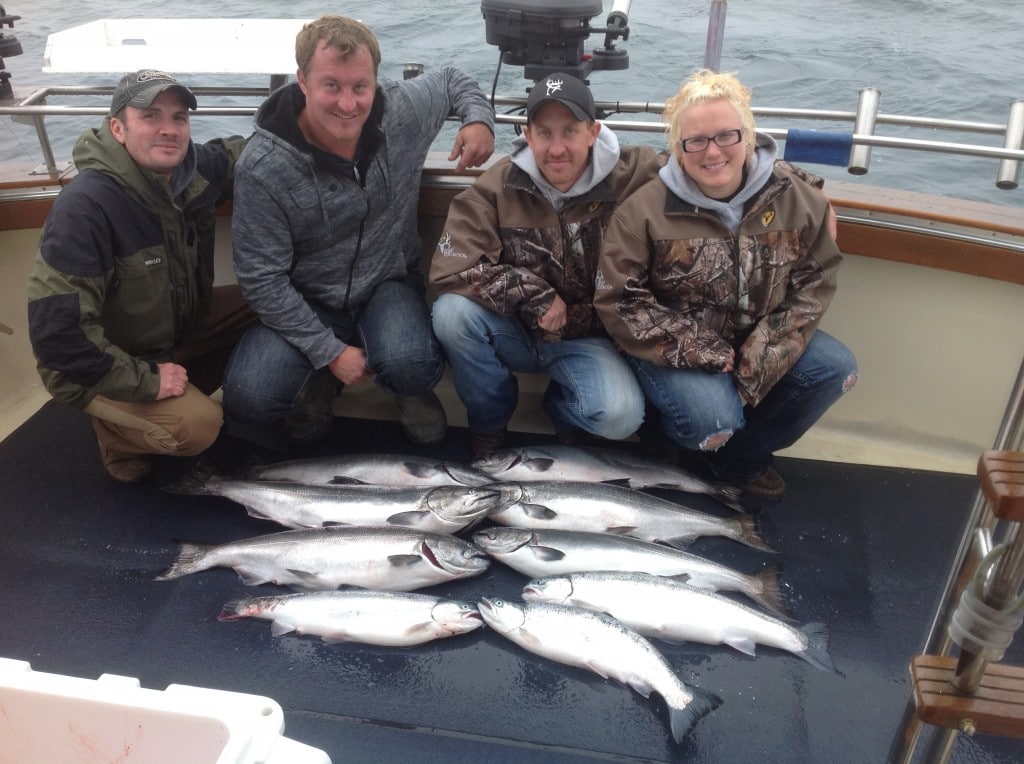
(566, 90)
(141, 88)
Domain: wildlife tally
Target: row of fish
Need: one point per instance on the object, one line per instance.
(608, 563)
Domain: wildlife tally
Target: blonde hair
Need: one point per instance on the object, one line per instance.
(706, 86)
(341, 33)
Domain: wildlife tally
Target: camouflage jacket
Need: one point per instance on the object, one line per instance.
(505, 247)
(677, 288)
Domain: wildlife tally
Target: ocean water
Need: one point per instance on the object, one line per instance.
(949, 59)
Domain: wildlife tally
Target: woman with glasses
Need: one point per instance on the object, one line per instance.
(713, 279)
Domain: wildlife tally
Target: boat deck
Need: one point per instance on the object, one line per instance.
(865, 549)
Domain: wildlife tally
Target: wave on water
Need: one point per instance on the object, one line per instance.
(959, 60)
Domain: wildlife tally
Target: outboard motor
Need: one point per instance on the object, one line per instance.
(9, 46)
(546, 36)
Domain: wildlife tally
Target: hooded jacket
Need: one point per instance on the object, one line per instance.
(512, 242)
(314, 234)
(124, 269)
(684, 282)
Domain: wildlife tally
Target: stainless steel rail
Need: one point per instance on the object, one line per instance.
(34, 109)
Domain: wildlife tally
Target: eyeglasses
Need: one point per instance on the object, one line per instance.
(701, 142)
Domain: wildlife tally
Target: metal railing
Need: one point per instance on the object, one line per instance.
(862, 137)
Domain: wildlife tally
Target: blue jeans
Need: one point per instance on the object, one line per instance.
(592, 387)
(700, 409)
(266, 375)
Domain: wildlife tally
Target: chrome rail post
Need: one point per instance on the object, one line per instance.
(864, 124)
(716, 31)
(1008, 175)
(980, 524)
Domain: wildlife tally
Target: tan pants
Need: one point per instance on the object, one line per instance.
(188, 424)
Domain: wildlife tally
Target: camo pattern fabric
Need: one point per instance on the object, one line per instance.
(506, 248)
(676, 288)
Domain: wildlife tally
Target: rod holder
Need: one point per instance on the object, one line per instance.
(1008, 176)
(867, 112)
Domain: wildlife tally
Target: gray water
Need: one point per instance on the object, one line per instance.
(950, 59)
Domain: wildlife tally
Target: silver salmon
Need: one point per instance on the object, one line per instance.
(392, 619)
(667, 609)
(542, 553)
(596, 465)
(607, 508)
(375, 469)
(438, 509)
(392, 559)
(601, 644)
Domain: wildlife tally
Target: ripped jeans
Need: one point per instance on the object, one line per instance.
(699, 409)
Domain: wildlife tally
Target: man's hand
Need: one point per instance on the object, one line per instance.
(556, 316)
(474, 144)
(173, 379)
(350, 366)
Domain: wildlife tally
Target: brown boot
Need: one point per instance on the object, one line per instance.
(768, 485)
(483, 444)
(132, 469)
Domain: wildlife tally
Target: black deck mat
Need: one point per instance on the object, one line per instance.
(865, 549)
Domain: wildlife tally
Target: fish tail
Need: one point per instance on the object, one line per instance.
(729, 495)
(191, 557)
(683, 720)
(750, 533)
(768, 587)
(195, 482)
(817, 653)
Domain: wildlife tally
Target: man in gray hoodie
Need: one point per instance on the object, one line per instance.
(325, 238)
(516, 265)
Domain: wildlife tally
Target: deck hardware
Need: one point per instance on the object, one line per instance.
(1009, 169)
(864, 124)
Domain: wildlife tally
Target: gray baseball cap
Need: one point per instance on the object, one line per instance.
(141, 88)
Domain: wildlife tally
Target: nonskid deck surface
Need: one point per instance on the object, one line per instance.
(865, 549)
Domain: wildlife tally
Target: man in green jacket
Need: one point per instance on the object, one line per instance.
(124, 320)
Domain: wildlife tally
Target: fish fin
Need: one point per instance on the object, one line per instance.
(816, 653)
(423, 469)
(306, 580)
(640, 685)
(279, 628)
(410, 519)
(538, 463)
(250, 578)
(750, 533)
(538, 511)
(683, 720)
(769, 591)
(621, 530)
(621, 482)
(743, 644)
(189, 560)
(681, 578)
(336, 636)
(599, 670)
(547, 554)
(342, 480)
(679, 542)
(253, 512)
(404, 560)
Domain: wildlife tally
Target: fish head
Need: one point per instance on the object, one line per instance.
(463, 502)
(502, 540)
(550, 589)
(454, 556)
(502, 615)
(455, 617)
(498, 461)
